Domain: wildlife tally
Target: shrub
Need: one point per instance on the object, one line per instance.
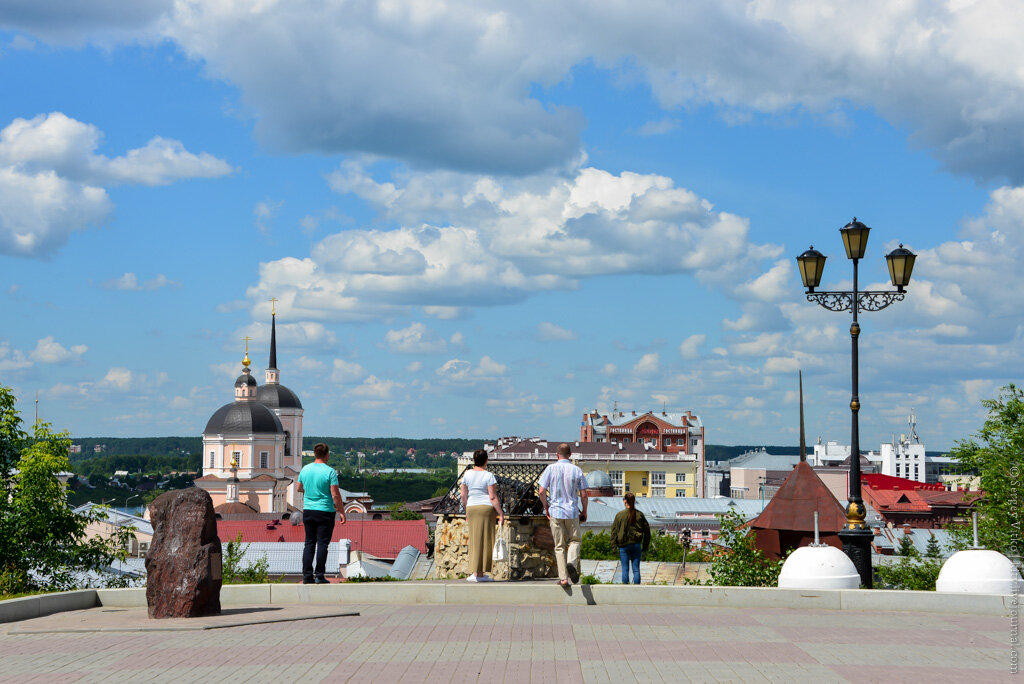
(739, 563)
(232, 571)
(910, 572)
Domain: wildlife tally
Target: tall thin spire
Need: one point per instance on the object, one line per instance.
(803, 440)
(273, 341)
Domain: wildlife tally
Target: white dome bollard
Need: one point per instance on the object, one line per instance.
(979, 571)
(818, 567)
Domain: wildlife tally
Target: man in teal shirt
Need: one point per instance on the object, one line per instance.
(321, 499)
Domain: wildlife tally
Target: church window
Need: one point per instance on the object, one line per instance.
(264, 458)
(211, 458)
(287, 443)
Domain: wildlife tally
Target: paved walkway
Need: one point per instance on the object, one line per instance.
(420, 643)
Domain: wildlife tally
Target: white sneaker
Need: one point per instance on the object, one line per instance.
(472, 578)
(484, 578)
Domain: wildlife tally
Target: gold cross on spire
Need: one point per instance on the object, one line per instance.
(245, 361)
(273, 306)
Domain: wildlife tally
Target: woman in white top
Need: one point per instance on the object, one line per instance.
(480, 500)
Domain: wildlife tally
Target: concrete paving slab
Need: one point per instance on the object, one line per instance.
(521, 643)
(137, 620)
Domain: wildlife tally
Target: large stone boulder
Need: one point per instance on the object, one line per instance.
(183, 566)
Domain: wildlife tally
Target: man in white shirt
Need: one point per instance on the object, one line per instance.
(560, 485)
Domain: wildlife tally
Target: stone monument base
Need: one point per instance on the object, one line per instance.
(530, 545)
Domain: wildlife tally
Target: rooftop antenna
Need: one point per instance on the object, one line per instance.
(37, 408)
(913, 427)
(803, 440)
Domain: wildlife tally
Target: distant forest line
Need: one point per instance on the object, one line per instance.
(185, 450)
(183, 446)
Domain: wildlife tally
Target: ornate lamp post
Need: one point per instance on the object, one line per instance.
(856, 536)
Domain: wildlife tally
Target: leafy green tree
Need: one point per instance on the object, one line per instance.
(739, 563)
(997, 457)
(934, 549)
(44, 544)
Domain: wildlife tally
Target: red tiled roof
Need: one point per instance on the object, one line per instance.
(380, 538)
(945, 498)
(896, 500)
(879, 481)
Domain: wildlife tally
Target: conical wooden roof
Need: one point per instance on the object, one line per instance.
(793, 506)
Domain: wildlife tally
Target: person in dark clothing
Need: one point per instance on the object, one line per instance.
(631, 535)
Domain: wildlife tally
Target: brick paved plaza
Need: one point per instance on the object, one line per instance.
(445, 643)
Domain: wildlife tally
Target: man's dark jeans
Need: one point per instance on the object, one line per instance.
(319, 528)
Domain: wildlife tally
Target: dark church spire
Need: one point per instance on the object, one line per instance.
(273, 334)
(803, 439)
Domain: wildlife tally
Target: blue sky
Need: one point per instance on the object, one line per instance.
(483, 219)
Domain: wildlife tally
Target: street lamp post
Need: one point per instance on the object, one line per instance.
(855, 535)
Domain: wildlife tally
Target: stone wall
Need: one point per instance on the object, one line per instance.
(531, 549)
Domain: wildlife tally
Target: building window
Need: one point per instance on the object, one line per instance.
(626, 440)
(680, 477)
(264, 458)
(627, 486)
(681, 441)
(694, 445)
(236, 456)
(658, 491)
(643, 481)
(616, 477)
(680, 493)
(657, 478)
(211, 458)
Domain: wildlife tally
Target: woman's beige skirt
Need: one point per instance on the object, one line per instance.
(482, 524)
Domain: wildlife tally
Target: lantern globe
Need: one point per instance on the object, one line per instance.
(901, 265)
(855, 238)
(811, 264)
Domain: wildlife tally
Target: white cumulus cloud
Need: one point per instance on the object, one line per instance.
(52, 178)
(416, 339)
(48, 350)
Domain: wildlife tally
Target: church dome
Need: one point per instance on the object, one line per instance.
(599, 484)
(245, 380)
(243, 417)
(599, 479)
(278, 397)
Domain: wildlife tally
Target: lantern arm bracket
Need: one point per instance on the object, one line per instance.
(867, 300)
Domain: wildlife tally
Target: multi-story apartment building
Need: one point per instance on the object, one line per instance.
(669, 432)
